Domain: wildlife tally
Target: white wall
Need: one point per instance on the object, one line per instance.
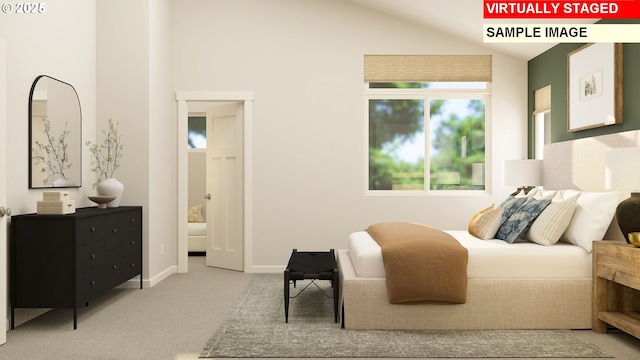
(163, 153)
(60, 43)
(133, 89)
(303, 61)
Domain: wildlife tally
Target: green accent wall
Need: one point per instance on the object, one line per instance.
(550, 68)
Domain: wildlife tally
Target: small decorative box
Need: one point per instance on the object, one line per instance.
(57, 207)
(55, 195)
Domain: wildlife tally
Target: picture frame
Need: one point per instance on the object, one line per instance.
(594, 86)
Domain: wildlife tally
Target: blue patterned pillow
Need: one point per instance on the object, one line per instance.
(521, 219)
(510, 205)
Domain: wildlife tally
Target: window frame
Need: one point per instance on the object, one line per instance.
(428, 94)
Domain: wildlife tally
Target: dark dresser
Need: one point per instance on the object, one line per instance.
(63, 261)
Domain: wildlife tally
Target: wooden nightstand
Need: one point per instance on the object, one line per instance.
(616, 287)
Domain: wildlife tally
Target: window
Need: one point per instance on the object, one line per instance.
(542, 132)
(541, 120)
(197, 132)
(426, 117)
(433, 148)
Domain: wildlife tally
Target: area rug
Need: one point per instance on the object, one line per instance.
(256, 328)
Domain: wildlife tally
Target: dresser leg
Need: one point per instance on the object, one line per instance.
(75, 317)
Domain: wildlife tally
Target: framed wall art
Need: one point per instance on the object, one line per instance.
(594, 86)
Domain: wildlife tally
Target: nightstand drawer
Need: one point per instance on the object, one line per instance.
(616, 299)
(620, 263)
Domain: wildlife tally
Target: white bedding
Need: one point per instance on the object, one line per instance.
(488, 258)
(197, 229)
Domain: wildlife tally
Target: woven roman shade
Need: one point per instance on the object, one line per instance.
(425, 68)
(542, 100)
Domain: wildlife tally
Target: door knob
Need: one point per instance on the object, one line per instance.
(208, 196)
(5, 211)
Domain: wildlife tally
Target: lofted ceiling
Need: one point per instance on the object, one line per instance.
(462, 19)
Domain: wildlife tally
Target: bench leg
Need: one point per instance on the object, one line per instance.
(336, 286)
(287, 273)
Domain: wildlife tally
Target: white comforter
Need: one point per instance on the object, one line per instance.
(488, 258)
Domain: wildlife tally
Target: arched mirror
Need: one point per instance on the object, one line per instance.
(55, 134)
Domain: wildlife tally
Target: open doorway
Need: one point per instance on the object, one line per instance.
(197, 183)
(194, 103)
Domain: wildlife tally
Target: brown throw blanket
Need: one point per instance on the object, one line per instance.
(421, 263)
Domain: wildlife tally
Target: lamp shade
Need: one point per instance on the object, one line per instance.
(525, 172)
(622, 168)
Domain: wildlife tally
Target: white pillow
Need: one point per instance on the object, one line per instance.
(530, 194)
(592, 217)
(554, 220)
(545, 195)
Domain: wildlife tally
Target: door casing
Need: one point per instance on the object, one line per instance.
(3, 193)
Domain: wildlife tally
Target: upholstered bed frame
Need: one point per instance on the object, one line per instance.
(498, 303)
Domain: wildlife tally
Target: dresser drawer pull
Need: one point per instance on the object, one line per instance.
(133, 265)
(92, 283)
(115, 230)
(133, 242)
(93, 229)
(133, 220)
(92, 256)
(115, 267)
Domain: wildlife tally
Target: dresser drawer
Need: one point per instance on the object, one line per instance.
(131, 242)
(89, 230)
(90, 284)
(90, 255)
(119, 268)
(132, 265)
(124, 222)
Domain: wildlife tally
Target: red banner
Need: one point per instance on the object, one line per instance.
(563, 9)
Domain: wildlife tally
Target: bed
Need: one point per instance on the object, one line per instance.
(196, 230)
(197, 237)
(523, 285)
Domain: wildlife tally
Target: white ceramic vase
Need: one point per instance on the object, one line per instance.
(111, 187)
(62, 183)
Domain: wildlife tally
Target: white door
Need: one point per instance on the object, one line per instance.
(3, 194)
(225, 238)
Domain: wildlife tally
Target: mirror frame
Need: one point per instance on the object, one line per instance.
(31, 137)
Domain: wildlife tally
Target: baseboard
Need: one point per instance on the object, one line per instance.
(161, 276)
(265, 269)
(22, 315)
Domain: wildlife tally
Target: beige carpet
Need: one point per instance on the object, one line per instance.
(255, 328)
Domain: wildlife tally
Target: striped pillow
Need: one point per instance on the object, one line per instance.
(553, 221)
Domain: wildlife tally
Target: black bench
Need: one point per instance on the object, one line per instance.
(311, 265)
